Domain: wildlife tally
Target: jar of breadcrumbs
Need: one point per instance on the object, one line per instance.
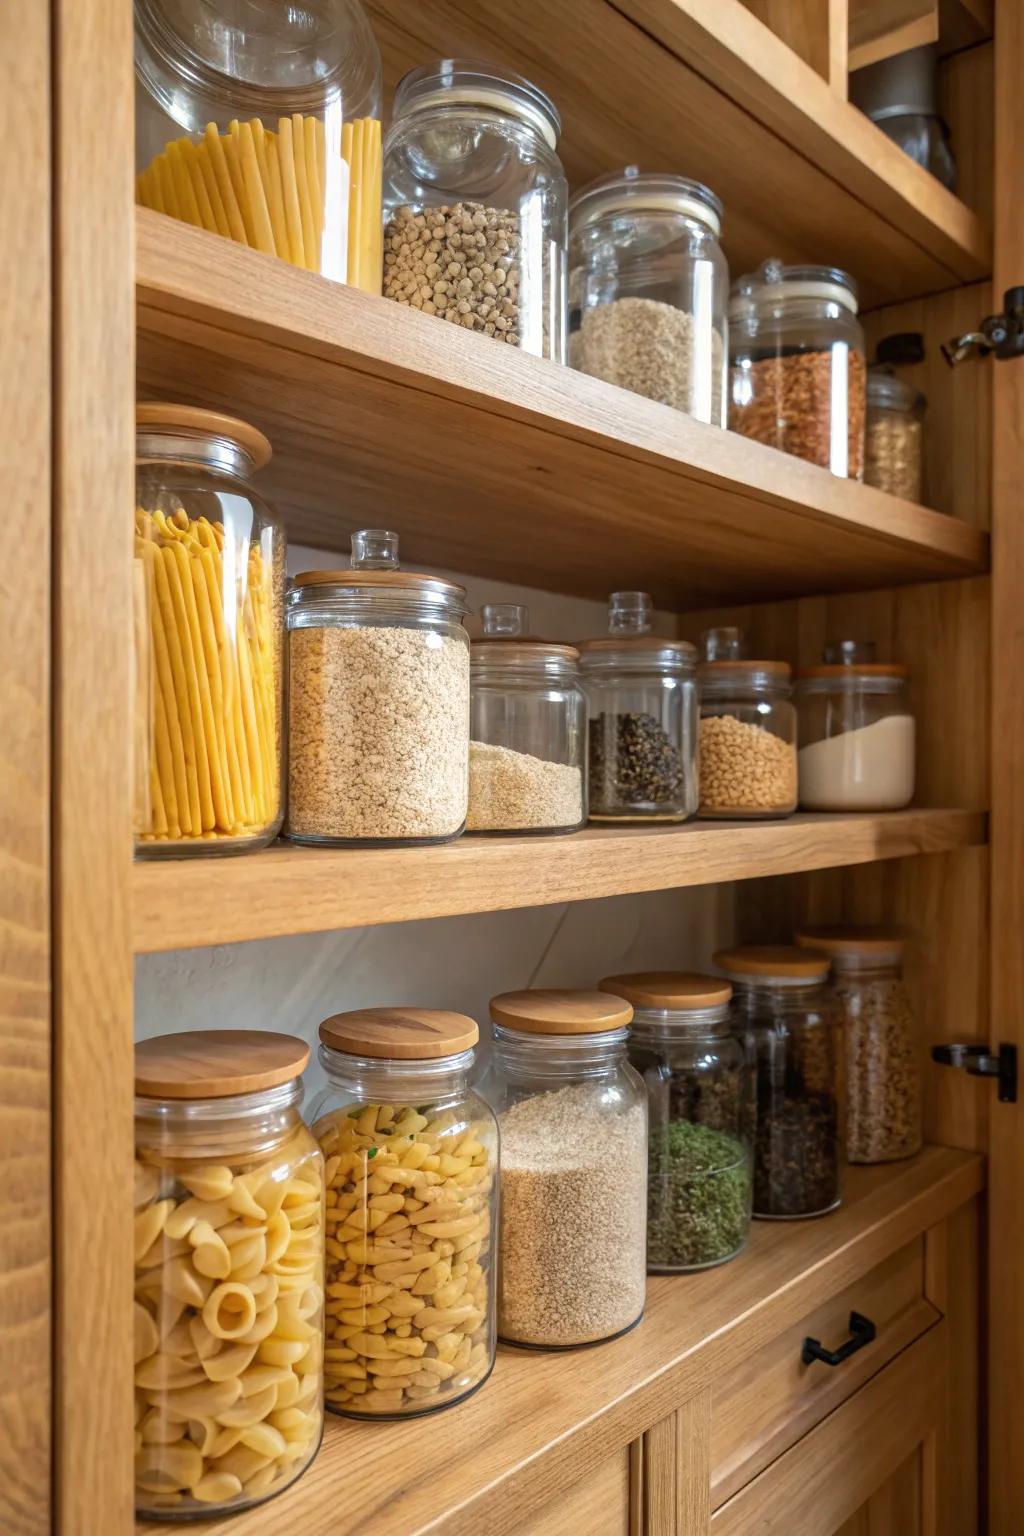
(747, 739)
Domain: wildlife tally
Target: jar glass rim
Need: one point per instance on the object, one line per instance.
(474, 82)
(645, 191)
(774, 282)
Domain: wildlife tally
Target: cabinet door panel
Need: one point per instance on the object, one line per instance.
(597, 1505)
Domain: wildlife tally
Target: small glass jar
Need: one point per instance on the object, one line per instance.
(642, 701)
(747, 740)
(262, 123)
(229, 1273)
(783, 1001)
(856, 735)
(378, 702)
(894, 433)
(699, 1075)
(208, 677)
(649, 289)
(572, 1115)
(797, 367)
(475, 204)
(527, 730)
(883, 1078)
(412, 1158)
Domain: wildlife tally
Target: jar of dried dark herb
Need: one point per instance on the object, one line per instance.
(782, 999)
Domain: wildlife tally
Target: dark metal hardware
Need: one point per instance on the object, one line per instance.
(862, 1332)
(1002, 334)
(979, 1062)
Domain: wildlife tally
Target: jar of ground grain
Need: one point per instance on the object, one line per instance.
(894, 435)
(475, 204)
(796, 364)
(883, 1082)
(649, 289)
(747, 740)
(642, 702)
(699, 1075)
(783, 1002)
(856, 736)
(378, 702)
(572, 1114)
(411, 1171)
(528, 729)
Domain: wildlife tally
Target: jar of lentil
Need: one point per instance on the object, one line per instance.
(783, 1001)
(856, 734)
(475, 204)
(208, 582)
(528, 729)
(378, 702)
(747, 740)
(797, 370)
(649, 289)
(699, 1075)
(411, 1173)
(642, 700)
(894, 434)
(229, 1273)
(883, 1081)
(572, 1114)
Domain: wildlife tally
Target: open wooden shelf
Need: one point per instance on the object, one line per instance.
(543, 1420)
(191, 903)
(509, 466)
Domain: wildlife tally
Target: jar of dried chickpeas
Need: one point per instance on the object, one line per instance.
(748, 762)
(412, 1156)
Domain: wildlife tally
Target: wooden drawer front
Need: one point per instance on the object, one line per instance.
(771, 1399)
(598, 1504)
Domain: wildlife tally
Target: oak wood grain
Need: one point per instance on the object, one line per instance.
(881, 28)
(953, 1283)
(816, 30)
(596, 1505)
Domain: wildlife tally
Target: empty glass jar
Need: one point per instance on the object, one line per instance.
(856, 734)
(747, 737)
(894, 435)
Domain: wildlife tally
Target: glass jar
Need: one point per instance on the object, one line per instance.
(782, 1000)
(229, 1273)
(412, 1156)
(208, 597)
(856, 737)
(475, 204)
(262, 123)
(378, 702)
(642, 701)
(797, 364)
(649, 289)
(883, 1079)
(893, 435)
(527, 729)
(699, 1076)
(747, 740)
(572, 1115)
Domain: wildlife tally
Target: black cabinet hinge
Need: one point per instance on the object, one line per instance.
(980, 1062)
(1001, 335)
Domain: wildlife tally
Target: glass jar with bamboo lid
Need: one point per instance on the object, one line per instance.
(208, 605)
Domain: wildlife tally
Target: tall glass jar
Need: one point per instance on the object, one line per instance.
(572, 1114)
(649, 289)
(378, 702)
(747, 740)
(412, 1157)
(782, 999)
(894, 435)
(262, 123)
(229, 1273)
(699, 1075)
(475, 204)
(856, 737)
(642, 701)
(797, 367)
(208, 597)
(527, 731)
(883, 1079)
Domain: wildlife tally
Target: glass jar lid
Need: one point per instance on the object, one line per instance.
(774, 285)
(630, 644)
(400, 1034)
(723, 643)
(165, 429)
(216, 1063)
(863, 677)
(853, 947)
(506, 642)
(721, 679)
(560, 1011)
(779, 965)
(375, 572)
(679, 992)
(636, 191)
(886, 392)
(475, 83)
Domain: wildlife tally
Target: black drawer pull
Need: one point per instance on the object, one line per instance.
(862, 1331)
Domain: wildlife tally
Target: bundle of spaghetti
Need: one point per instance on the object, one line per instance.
(361, 147)
(207, 659)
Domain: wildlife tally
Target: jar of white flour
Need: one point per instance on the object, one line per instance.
(856, 734)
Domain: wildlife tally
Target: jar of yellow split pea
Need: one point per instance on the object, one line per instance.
(229, 1256)
(412, 1155)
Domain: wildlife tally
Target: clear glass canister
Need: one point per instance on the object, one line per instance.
(856, 737)
(699, 1074)
(262, 123)
(883, 1077)
(475, 204)
(229, 1273)
(642, 701)
(649, 289)
(797, 370)
(378, 702)
(208, 582)
(747, 740)
(412, 1157)
(572, 1114)
(782, 999)
(528, 729)
(894, 435)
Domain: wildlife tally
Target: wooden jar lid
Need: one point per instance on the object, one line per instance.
(191, 419)
(671, 990)
(214, 1063)
(560, 1011)
(404, 1034)
(785, 961)
(841, 939)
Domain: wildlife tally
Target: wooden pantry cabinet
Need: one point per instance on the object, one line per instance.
(705, 1418)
